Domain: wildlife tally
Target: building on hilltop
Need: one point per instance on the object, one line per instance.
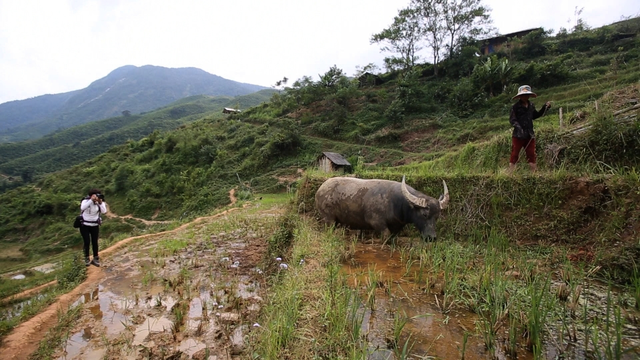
(330, 162)
(494, 44)
(230, 111)
(369, 79)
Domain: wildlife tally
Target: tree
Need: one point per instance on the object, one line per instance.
(430, 14)
(330, 78)
(491, 73)
(581, 25)
(281, 83)
(465, 18)
(452, 19)
(27, 174)
(402, 37)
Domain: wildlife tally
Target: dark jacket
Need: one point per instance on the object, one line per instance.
(522, 119)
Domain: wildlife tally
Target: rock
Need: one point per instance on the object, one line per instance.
(237, 340)
(229, 318)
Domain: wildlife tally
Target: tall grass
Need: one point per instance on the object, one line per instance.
(311, 312)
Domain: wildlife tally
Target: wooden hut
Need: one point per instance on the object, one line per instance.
(369, 79)
(494, 44)
(230, 111)
(330, 161)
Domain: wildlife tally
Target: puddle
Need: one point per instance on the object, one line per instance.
(432, 332)
(441, 334)
(109, 310)
(14, 310)
(76, 343)
(174, 301)
(195, 308)
(151, 325)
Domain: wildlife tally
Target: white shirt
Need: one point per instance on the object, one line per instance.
(91, 211)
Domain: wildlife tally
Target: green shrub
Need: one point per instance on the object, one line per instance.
(280, 241)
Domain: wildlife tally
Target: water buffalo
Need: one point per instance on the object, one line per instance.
(381, 205)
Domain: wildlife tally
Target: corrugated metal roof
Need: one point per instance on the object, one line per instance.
(336, 158)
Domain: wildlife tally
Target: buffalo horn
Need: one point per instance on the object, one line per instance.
(412, 198)
(444, 199)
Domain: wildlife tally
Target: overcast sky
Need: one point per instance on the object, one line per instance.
(55, 46)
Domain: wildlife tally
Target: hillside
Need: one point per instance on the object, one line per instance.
(411, 119)
(128, 88)
(72, 146)
(529, 264)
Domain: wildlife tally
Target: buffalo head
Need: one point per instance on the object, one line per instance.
(426, 209)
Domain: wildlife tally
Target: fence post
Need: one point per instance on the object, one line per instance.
(561, 121)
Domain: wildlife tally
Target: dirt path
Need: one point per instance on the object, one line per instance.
(111, 214)
(232, 196)
(24, 339)
(28, 292)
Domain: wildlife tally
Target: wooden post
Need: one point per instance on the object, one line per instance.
(596, 105)
(561, 122)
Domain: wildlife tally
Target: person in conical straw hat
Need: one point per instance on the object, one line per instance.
(523, 112)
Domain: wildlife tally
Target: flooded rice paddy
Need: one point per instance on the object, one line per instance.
(413, 314)
(199, 294)
(193, 297)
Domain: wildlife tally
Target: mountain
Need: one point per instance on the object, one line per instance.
(128, 88)
(68, 147)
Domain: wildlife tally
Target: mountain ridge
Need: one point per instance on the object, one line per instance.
(127, 88)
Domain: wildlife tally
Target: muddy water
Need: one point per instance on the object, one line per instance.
(195, 301)
(436, 330)
(433, 333)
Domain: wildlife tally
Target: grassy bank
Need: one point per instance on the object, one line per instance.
(311, 312)
(14, 312)
(598, 215)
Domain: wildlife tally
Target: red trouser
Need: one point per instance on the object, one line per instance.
(529, 146)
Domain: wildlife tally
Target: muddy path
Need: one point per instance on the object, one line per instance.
(24, 339)
(110, 214)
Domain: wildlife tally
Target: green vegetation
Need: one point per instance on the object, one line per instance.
(514, 249)
(126, 90)
(65, 148)
(71, 273)
(414, 123)
(310, 312)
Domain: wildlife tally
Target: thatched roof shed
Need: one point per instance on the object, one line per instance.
(330, 161)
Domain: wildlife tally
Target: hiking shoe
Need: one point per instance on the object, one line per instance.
(87, 261)
(96, 261)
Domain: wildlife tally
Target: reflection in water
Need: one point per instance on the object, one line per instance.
(432, 332)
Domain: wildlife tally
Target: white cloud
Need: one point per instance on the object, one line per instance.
(56, 46)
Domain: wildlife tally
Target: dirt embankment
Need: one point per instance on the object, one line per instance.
(25, 338)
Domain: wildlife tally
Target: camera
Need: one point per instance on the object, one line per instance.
(100, 196)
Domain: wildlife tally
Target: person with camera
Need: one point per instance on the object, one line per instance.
(90, 209)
